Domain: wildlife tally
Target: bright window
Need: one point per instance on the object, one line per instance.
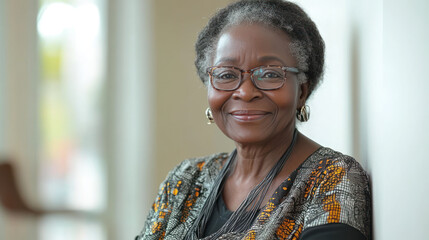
(72, 176)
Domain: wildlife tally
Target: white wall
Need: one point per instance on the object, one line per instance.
(388, 104)
(367, 71)
(399, 130)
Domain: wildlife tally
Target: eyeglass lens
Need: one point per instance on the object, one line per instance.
(265, 78)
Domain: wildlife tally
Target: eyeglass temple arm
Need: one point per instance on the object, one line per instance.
(291, 69)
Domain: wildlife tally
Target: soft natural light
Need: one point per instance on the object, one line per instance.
(72, 168)
(54, 19)
(87, 20)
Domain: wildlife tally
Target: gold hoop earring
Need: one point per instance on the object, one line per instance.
(209, 116)
(303, 114)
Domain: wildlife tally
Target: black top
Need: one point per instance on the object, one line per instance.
(219, 216)
(332, 231)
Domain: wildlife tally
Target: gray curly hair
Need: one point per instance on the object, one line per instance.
(306, 45)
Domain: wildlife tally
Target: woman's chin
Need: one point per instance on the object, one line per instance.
(248, 136)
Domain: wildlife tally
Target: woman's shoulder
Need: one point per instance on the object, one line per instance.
(213, 161)
(192, 167)
(338, 190)
(326, 158)
(184, 188)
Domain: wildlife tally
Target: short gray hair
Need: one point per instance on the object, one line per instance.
(307, 45)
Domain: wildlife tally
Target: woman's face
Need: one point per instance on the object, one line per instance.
(247, 114)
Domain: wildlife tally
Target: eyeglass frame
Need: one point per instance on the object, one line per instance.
(250, 71)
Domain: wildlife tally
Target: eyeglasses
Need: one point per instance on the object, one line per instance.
(229, 78)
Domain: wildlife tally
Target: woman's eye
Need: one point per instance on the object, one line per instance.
(227, 76)
(271, 75)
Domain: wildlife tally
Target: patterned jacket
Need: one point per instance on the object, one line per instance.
(328, 187)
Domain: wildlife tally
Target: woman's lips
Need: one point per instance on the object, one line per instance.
(248, 115)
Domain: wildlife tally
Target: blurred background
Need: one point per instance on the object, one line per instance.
(99, 99)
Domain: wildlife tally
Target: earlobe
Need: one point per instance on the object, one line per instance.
(303, 110)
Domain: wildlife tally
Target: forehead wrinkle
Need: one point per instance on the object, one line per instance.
(234, 50)
(239, 58)
(226, 60)
(263, 60)
(269, 59)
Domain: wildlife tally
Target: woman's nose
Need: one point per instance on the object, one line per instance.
(247, 90)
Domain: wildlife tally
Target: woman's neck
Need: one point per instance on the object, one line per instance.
(254, 161)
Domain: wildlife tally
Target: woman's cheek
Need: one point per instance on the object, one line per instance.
(216, 99)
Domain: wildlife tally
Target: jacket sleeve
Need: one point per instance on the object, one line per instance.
(340, 195)
(159, 213)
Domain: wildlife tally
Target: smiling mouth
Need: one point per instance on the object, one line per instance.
(248, 115)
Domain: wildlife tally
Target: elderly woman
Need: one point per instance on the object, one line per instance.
(260, 61)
